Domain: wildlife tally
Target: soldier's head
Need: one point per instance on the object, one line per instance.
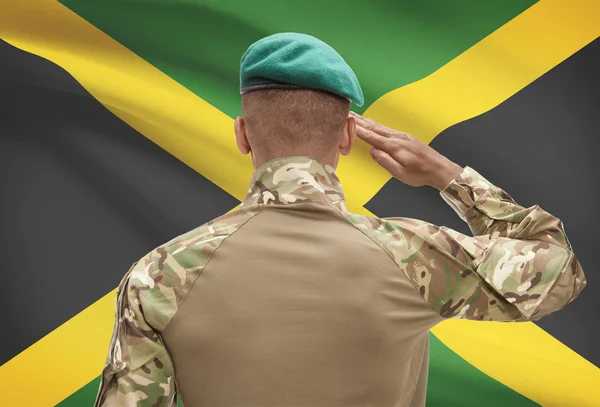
(290, 122)
(296, 94)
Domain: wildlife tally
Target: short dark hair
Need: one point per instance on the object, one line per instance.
(283, 122)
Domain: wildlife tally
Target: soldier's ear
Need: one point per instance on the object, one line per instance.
(239, 126)
(347, 139)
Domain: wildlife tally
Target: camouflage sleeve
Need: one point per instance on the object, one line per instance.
(138, 371)
(518, 266)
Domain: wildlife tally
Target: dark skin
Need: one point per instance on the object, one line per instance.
(406, 158)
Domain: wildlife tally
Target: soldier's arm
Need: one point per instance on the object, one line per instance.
(138, 370)
(518, 266)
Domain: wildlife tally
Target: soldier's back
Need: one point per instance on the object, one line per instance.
(299, 307)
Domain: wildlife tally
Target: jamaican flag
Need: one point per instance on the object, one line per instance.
(116, 134)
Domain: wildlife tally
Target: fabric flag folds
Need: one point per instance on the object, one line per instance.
(116, 134)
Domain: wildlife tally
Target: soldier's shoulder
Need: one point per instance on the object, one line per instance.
(164, 276)
(179, 260)
(215, 229)
(389, 229)
(403, 237)
(201, 240)
(399, 234)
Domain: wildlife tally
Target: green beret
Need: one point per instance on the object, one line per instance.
(292, 60)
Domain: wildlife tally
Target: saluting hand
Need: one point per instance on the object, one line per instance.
(406, 158)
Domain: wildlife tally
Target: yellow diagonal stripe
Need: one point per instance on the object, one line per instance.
(61, 362)
(174, 118)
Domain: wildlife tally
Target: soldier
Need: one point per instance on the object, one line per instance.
(292, 300)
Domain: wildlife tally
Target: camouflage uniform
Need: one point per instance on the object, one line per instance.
(518, 266)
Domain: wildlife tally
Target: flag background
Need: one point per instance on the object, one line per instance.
(116, 135)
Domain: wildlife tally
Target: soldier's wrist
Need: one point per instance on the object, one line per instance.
(445, 174)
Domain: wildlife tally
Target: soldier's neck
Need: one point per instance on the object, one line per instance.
(329, 159)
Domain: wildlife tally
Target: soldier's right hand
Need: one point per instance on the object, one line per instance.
(405, 157)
